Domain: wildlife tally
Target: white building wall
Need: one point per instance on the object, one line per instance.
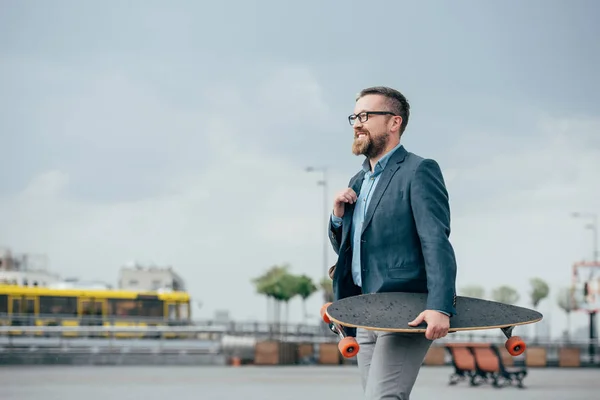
(28, 278)
(150, 279)
(25, 269)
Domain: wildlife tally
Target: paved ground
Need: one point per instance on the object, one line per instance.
(266, 383)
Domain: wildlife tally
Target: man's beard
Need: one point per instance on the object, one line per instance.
(369, 146)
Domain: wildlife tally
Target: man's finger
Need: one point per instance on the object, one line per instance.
(417, 320)
(430, 334)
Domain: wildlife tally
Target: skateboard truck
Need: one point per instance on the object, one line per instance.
(348, 345)
(514, 344)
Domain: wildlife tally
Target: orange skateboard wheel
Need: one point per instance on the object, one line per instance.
(515, 346)
(348, 346)
(323, 314)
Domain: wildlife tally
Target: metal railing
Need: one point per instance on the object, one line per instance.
(25, 325)
(201, 343)
(46, 325)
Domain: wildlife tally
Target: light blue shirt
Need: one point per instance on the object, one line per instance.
(369, 183)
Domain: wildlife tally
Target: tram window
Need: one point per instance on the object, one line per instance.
(184, 311)
(136, 308)
(58, 305)
(151, 308)
(173, 312)
(29, 306)
(122, 308)
(3, 304)
(16, 305)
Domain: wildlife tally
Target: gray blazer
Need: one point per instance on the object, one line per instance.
(405, 243)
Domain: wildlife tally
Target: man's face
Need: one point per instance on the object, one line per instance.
(370, 137)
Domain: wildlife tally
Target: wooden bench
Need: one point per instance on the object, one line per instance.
(482, 363)
(463, 362)
(490, 367)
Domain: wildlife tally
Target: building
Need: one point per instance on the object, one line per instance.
(137, 277)
(25, 270)
(75, 283)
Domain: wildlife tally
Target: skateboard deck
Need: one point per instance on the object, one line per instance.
(393, 311)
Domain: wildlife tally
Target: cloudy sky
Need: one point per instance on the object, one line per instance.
(179, 132)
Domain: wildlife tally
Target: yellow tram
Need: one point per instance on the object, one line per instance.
(40, 306)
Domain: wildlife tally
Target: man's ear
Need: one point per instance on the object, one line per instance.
(399, 123)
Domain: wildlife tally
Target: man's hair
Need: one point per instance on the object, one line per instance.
(396, 102)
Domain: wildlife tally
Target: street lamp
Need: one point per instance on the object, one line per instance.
(323, 182)
(594, 228)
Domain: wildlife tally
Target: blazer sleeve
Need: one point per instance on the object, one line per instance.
(430, 204)
(335, 232)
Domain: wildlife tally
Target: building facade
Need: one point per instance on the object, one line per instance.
(25, 270)
(152, 278)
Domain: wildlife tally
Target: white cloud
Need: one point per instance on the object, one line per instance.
(219, 226)
(294, 92)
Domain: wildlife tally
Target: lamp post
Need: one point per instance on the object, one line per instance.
(593, 226)
(323, 183)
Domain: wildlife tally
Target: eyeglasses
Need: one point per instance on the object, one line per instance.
(364, 116)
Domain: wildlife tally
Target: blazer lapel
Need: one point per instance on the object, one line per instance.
(356, 185)
(386, 176)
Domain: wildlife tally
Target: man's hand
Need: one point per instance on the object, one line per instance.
(345, 196)
(437, 324)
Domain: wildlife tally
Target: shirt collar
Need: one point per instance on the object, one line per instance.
(381, 163)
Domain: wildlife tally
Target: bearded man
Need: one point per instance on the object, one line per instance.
(390, 229)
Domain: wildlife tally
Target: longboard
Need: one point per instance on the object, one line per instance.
(393, 311)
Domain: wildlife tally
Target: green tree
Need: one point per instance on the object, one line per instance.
(565, 300)
(473, 291)
(505, 294)
(539, 291)
(305, 288)
(286, 288)
(267, 285)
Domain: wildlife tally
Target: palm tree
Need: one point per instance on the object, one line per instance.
(286, 289)
(473, 291)
(539, 291)
(305, 288)
(266, 284)
(505, 294)
(567, 304)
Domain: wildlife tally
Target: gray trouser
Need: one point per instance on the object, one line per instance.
(390, 362)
